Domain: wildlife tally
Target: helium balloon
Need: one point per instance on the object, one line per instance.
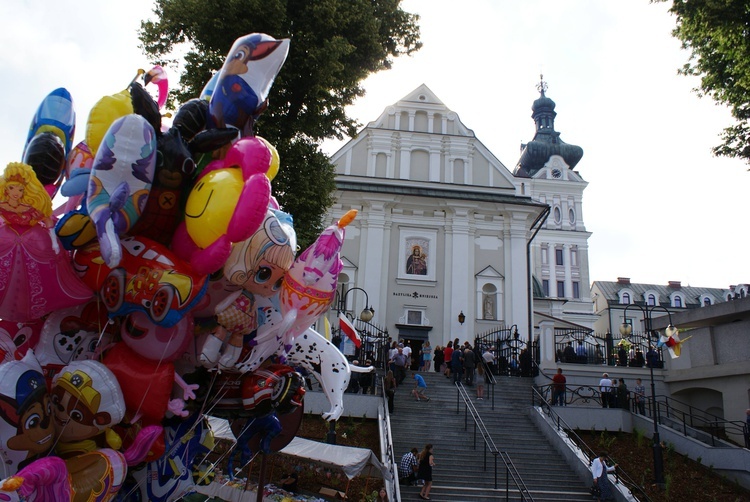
(174, 171)
(96, 476)
(147, 384)
(155, 342)
(55, 115)
(26, 425)
(170, 477)
(103, 114)
(227, 204)
(120, 181)
(245, 80)
(191, 118)
(35, 278)
(150, 279)
(310, 285)
(87, 401)
(72, 334)
(46, 154)
(23, 336)
(158, 76)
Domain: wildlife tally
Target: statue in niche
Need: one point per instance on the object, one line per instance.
(489, 306)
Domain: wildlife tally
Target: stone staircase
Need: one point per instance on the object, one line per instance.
(459, 473)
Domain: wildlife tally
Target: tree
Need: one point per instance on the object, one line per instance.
(335, 45)
(717, 33)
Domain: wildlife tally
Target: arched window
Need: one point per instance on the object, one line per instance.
(706, 301)
(626, 298)
(651, 300)
(677, 302)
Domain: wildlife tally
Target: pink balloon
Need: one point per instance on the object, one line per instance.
(156, 342)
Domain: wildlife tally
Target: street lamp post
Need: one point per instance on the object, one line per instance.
(626, 330)
(366, 315)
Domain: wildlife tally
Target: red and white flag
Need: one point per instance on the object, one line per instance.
(348, 329)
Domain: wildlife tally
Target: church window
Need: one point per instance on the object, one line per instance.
(414, 317)
(545, 287)
(559, 256)
(557, 215)
(576, 289)
(560, 289)
(572, 216)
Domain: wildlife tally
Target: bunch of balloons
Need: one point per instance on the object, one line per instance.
(165, 286)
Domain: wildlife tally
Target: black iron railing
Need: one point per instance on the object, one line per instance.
(540, 400)
(512, 477)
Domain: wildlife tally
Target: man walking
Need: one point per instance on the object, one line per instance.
(457, 367)
(399, 364)
(558, 388)
(419, 387)
(469, 365)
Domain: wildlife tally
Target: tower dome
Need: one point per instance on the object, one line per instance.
(546, 141)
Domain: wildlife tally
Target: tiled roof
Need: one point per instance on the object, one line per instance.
(610, 290)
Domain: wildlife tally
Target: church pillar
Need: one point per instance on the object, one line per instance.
(516, 299)
(461, 277)
(547, 344)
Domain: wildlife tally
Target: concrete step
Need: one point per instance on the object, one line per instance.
(460, 472)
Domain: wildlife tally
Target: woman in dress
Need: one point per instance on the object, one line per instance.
(426, 356)
(599, 471)
(36, 278)
(424, 471)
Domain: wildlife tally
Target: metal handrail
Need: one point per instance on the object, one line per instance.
(511, 473)
(491, 381)
(696, 418)
(393, 489)
(688, 417)
(621, 477)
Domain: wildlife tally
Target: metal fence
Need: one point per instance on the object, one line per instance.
(586, 347)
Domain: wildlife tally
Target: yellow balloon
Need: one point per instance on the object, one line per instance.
(105, 111)
(273, 169)
(211, 204)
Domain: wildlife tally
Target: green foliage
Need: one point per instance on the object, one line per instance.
(335, 45)
(716, 35)
(639, 436)
(667, 485)
(606, 440)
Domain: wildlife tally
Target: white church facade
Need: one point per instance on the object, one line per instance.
(446, 232)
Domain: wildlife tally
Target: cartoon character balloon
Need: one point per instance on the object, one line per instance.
(120, 181)
(310, 285)
(87, 402)
(26, 426)
(35, 278)
(227, 204)
(150, 279)
(245, 80)
(73, 334)
(258, 265)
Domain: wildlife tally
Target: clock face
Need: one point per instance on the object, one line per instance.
(556, 173)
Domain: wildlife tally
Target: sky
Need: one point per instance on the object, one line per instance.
(659, 206)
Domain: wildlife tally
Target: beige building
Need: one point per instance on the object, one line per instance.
(445, 228)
